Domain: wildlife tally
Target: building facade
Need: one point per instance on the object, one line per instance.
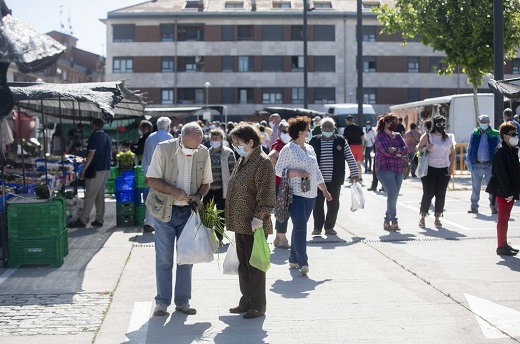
(248, 55)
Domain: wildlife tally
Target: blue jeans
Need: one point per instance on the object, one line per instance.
(165, 235)
(300, 210)
(392, 183)
(480, 171)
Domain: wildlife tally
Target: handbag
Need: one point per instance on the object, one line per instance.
(406, 167)
(422, 163)
(285, 196)
(195, 242)
(261, 254)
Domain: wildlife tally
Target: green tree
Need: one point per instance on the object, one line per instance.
(461, 29)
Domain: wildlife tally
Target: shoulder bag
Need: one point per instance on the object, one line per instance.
(285, 196)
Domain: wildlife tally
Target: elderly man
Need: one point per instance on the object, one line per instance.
(331, 152)
(180, 172)
(274, 121)
(162, 134)
(479, 158)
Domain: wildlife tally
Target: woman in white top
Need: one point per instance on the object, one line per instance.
(441, 157)
(370, 139)
(305, 178)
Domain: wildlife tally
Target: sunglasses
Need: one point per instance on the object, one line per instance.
(512, 134)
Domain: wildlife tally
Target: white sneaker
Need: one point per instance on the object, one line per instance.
(304, 270)
(294, 265)
(160, 311)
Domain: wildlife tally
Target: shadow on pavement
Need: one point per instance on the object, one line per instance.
(240, 330)
(512, 263)
(397, 238)
(143, 238)
(297, 288)
(441, 233)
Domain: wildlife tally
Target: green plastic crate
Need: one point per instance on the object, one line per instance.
(36, 252)
(114, 173)
(125, 220)
(36, 220)
(125, 208)
(140, 214)
(110, 187)
(65, 242)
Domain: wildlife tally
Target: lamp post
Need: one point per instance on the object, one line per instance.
(359, 62)
(305, 56)
(350, 94)
(207, 84)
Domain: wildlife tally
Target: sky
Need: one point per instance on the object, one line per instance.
(44, 16)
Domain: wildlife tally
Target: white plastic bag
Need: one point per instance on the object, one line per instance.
(358, 199)
(422, 166)
(231, 263)
(194, 244)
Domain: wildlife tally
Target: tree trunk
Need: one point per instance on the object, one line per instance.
(475, 102)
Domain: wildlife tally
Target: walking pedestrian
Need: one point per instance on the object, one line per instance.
(441, 157)
(412, 138)
(305, 178)
(145, 129)
(354, 135)
(370, 139)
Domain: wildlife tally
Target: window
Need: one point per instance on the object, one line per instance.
(414, 94)
(296, 33)
(324, 33)
(370, 4)
(272, 96)
(322, 5)
(369, 33)
(369, 64)
(167, 32)
(234, 4)
(435, 92)
(192, 4)
(435, 64)
(297, 95)
(272, 32)
(272, 63)
(369, 96)
(413, 65)
(227, 96)
(245, 32)
(191, 63)
(123, 65)
(245, 96)
(190, 33)
(324, 63)
(123, 32)
(167, 64)
(228, 32)
(167, 96)
(190, 96)
(227, 63)
(297, 63)
(516, 66)
(281, 4)
(324, 95)
(245, 63)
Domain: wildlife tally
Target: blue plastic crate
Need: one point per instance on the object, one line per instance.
(125, 183)
(125, 196)
(7, 198)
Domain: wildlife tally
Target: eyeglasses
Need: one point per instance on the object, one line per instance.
(440, 125)
(512, 134)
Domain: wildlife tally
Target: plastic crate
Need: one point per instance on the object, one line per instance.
(114, 173)
(140, 195)
(65, 242)
(139, 181)
(125, 183)
(36, 252)
(7, 198)
(36, 220)
(110, 187)
(125, 220)
(125, 196)
(125, 208)
(140, 213)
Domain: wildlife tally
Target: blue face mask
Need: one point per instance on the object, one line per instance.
(327, 134)
(369, 127)
(215, 144)
(484, 126)
(241, 151)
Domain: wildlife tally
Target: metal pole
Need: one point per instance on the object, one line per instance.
(498, 23)
(359, 60)
(305, 57)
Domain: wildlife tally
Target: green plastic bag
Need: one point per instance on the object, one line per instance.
(261, 255)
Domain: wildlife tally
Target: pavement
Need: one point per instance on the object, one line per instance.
(365, 285)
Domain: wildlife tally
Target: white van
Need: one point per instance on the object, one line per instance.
(341, 111)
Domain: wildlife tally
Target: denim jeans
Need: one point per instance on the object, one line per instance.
(165, 235)
(480, 171)
(391, 181)
(300, 210)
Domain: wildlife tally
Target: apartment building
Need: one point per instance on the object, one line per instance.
(248, 54)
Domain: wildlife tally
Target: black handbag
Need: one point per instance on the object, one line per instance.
(285, 197)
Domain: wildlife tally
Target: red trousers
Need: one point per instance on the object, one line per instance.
(504, 212)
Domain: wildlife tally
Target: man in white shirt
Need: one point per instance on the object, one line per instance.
(179, 175)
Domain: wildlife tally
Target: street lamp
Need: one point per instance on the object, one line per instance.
(207, 85)
(350, 94)
(305, 56)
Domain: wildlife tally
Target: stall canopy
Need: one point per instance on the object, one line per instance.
(506, 87)
(181, 112)
(287, 113)
(113, 99)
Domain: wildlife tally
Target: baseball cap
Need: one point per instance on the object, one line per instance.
(483, 118)
(317, 118)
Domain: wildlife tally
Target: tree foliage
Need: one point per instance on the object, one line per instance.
(462, 29)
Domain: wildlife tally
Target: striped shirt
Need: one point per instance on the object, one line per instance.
(327, 160)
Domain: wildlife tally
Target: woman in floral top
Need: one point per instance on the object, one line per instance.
(390, 151)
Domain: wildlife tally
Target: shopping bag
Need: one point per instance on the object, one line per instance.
(284, 199)
(194, 244)
(422, 166)
(358, 199)
(230, 265)
(260, 256)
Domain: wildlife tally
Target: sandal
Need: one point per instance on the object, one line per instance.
(422, 223)
(437, 223)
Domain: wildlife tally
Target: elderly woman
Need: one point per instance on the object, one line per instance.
(249, 202)
(390, 151)
(305, 178)
(505, 183)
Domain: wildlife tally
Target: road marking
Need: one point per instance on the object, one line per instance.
(138, 326)
(500, 320)
(6, 275)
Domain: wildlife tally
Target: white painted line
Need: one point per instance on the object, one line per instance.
(499, 319)
(138, 326)
(6, 275)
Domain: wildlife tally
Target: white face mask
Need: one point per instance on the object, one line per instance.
(272, 124)
(286, 138)
(513, 141)
(327, 134)
(188, 151)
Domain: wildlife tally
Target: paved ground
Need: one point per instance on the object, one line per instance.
(364, 286)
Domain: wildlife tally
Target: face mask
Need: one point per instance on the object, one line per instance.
(215, 144)
(513, 141)
(392, 127)
(241, 151)
(369, 127)
(484, 126)
(327, 134)
(424, 129)
(271, 124)
(188, 151)
(286, 138)
(440, 129)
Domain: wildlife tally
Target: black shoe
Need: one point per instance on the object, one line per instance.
(252, 313)
(372, 188)
(494, 211)
(147, 228)
(512, 249)
(382, 189)
(238, 310)
(506, 251)
(186, 310)
(96, 224)
(77, 224)
(473, 211)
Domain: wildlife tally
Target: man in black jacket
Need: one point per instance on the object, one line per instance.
(138, 148)
(355, 138)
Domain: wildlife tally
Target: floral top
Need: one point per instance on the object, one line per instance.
(294, 157)
(386, 158)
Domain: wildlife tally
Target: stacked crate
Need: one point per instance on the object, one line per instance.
(37, 233)
(125, 205)
(141, 192)
(110, 188)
